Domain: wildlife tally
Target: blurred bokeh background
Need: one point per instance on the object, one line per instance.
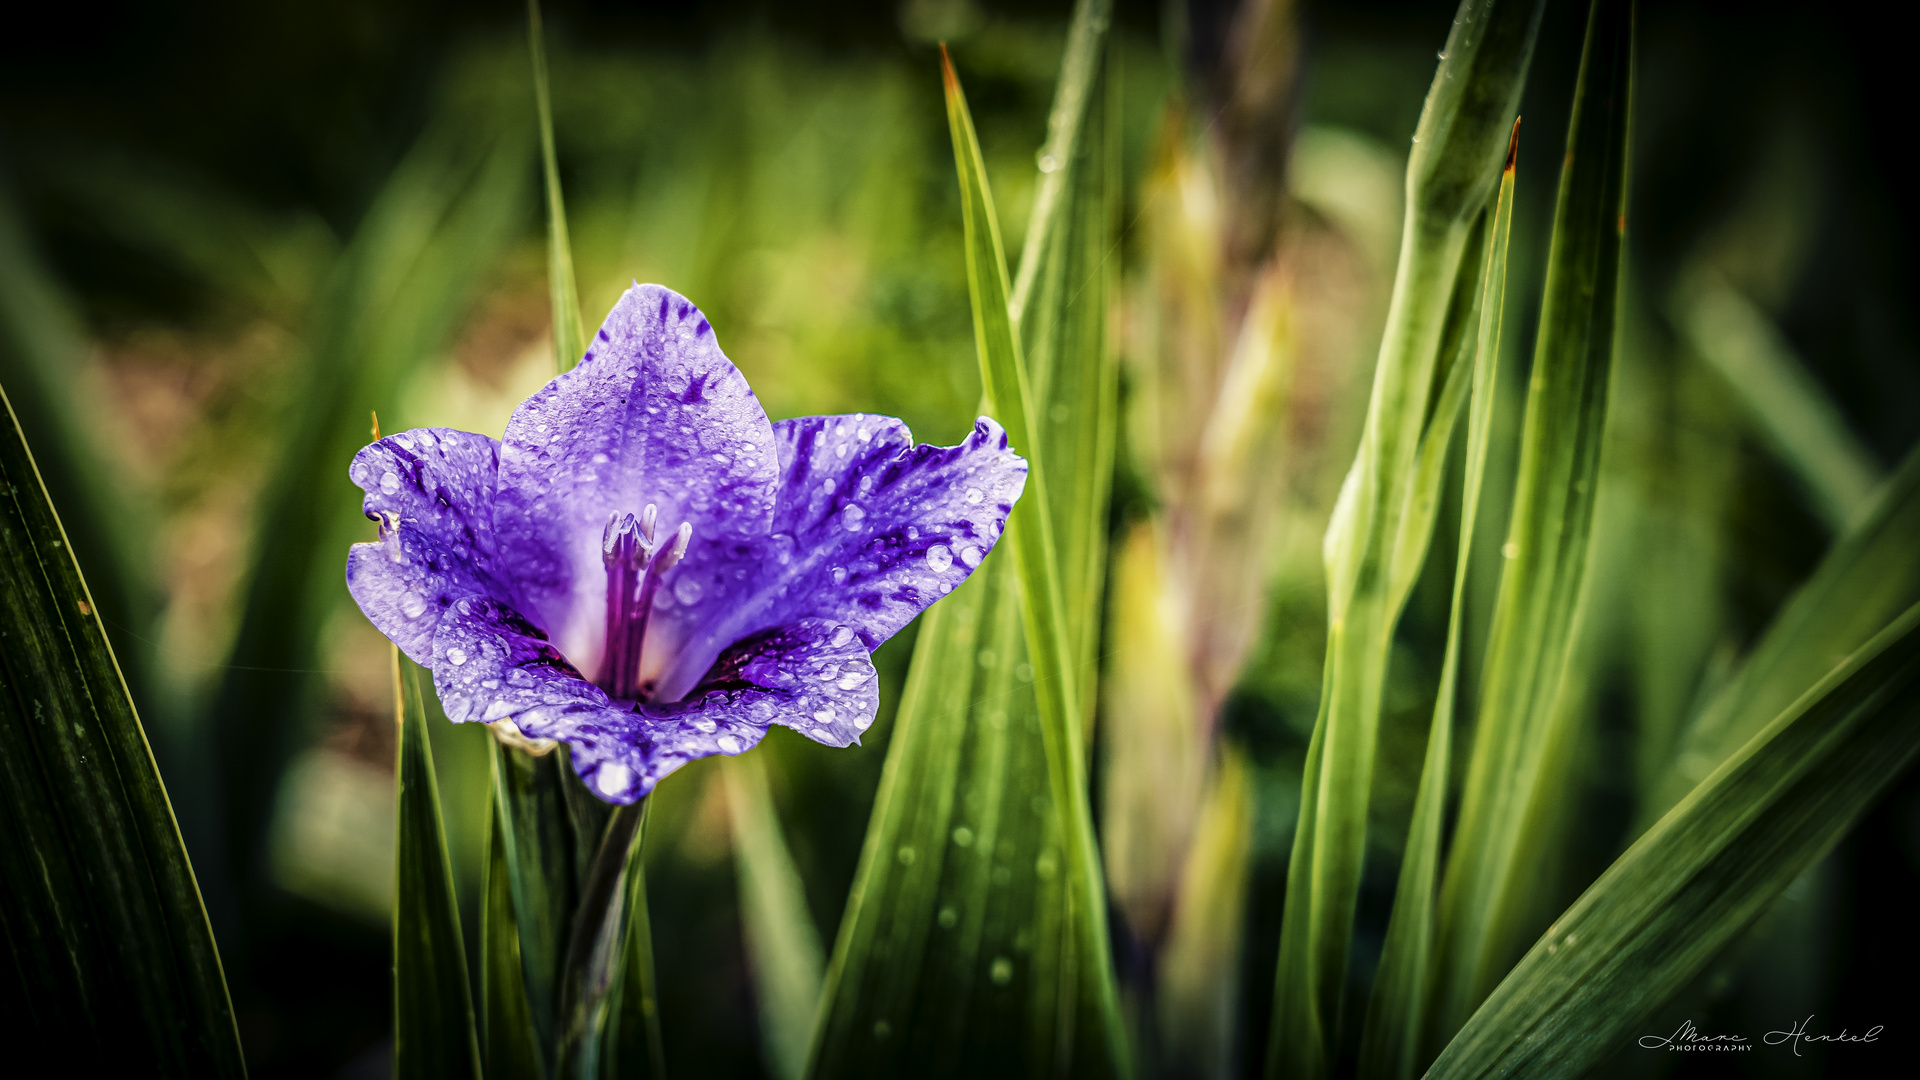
(228, 231)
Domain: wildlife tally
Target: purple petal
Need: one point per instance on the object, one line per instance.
(490, 664)
(868, 530)
(432, 491)
(655, 413)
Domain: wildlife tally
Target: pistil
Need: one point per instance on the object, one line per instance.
(636, 560)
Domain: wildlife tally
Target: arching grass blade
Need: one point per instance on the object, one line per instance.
(1397, 1011)
(1528, 699)
(1377, 540)
(569, 336)
(1704, 873)
(113, 962)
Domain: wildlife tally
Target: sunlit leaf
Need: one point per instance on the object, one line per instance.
(113, 963)
(974, 939)
(1528, 698)
(569, 338)
(1381, 525)
(1397, 1010)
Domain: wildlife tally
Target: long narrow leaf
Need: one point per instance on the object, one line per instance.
(605, 946)
(1030, 540)
(1390, 1042)
(1383, 521)
(1693, 883)
(509, 1044)
(1528, 698)
(782, 944)
(434, 1034)
(959, 951)
(391, 302)
(1871, 575)
(569, 338)
(1790, 408)
(113, 962)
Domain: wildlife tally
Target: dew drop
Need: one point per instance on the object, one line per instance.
(390, 483)
(677, 380)
(458, 655)
(613, 778)
(842, 635)
(1002, 971)
(853, 681)
(729, 744)
(975, 496)
(687, 590)
(970, 555)
(939, 558)
(412, 604)
(839, 575)
(852, 518)
(963, 836)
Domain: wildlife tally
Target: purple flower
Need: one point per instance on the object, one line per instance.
(649, 571)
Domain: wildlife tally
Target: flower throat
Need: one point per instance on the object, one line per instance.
(636, 558)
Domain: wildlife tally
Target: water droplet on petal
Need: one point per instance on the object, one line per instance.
(390, 483)
(839, 575)
(457, 655)
(852, 518)
(687, 590)
(975, 496)
(842, 635)
(939, 559)
(729, 744)
(970, 555)
(412, 604)
(613, 778)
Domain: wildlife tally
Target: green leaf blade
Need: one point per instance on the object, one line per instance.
(434, 1030)
(1530, 694)
(569, 335)
(1397, 1010)
(1384, 517)
(783, 946)
(1031, 542)
(1704, 873)
(112, 952)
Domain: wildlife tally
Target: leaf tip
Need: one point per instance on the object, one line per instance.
(947, 75)
(1513, 145)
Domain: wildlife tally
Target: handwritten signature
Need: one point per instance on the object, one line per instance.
(1688, 1037)
(1796, 1034)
